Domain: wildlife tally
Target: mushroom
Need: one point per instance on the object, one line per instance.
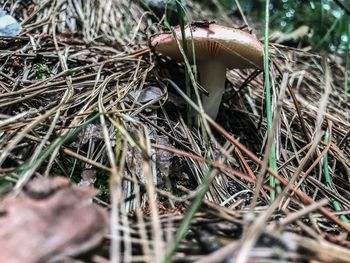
(217, 48)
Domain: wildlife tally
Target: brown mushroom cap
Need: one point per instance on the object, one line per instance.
(233, 47)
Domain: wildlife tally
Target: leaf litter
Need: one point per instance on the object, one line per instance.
(81, 79)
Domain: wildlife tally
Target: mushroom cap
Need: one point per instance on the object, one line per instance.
(234, 47)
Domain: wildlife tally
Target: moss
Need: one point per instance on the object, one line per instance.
(102, 177)
(42, 71)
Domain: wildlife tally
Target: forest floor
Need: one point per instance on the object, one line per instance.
(85, 104)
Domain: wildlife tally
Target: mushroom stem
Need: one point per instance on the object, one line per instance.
(212, 76)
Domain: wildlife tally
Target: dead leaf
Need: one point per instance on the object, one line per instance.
(51, 219)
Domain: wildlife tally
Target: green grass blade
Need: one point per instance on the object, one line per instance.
(57, 143)
(181, 14)
(186, 223)
(347, 66)
(272, 157)
(328, 180)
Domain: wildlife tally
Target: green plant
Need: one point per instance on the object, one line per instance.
(326, 18)
(329, 183)
(269, 112)
(42, 71)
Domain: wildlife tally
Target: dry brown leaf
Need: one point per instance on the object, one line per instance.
(51, 219)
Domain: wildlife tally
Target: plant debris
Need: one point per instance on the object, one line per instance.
(82, 95)
(51, 219)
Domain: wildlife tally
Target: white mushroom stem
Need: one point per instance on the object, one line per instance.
(212, 76)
